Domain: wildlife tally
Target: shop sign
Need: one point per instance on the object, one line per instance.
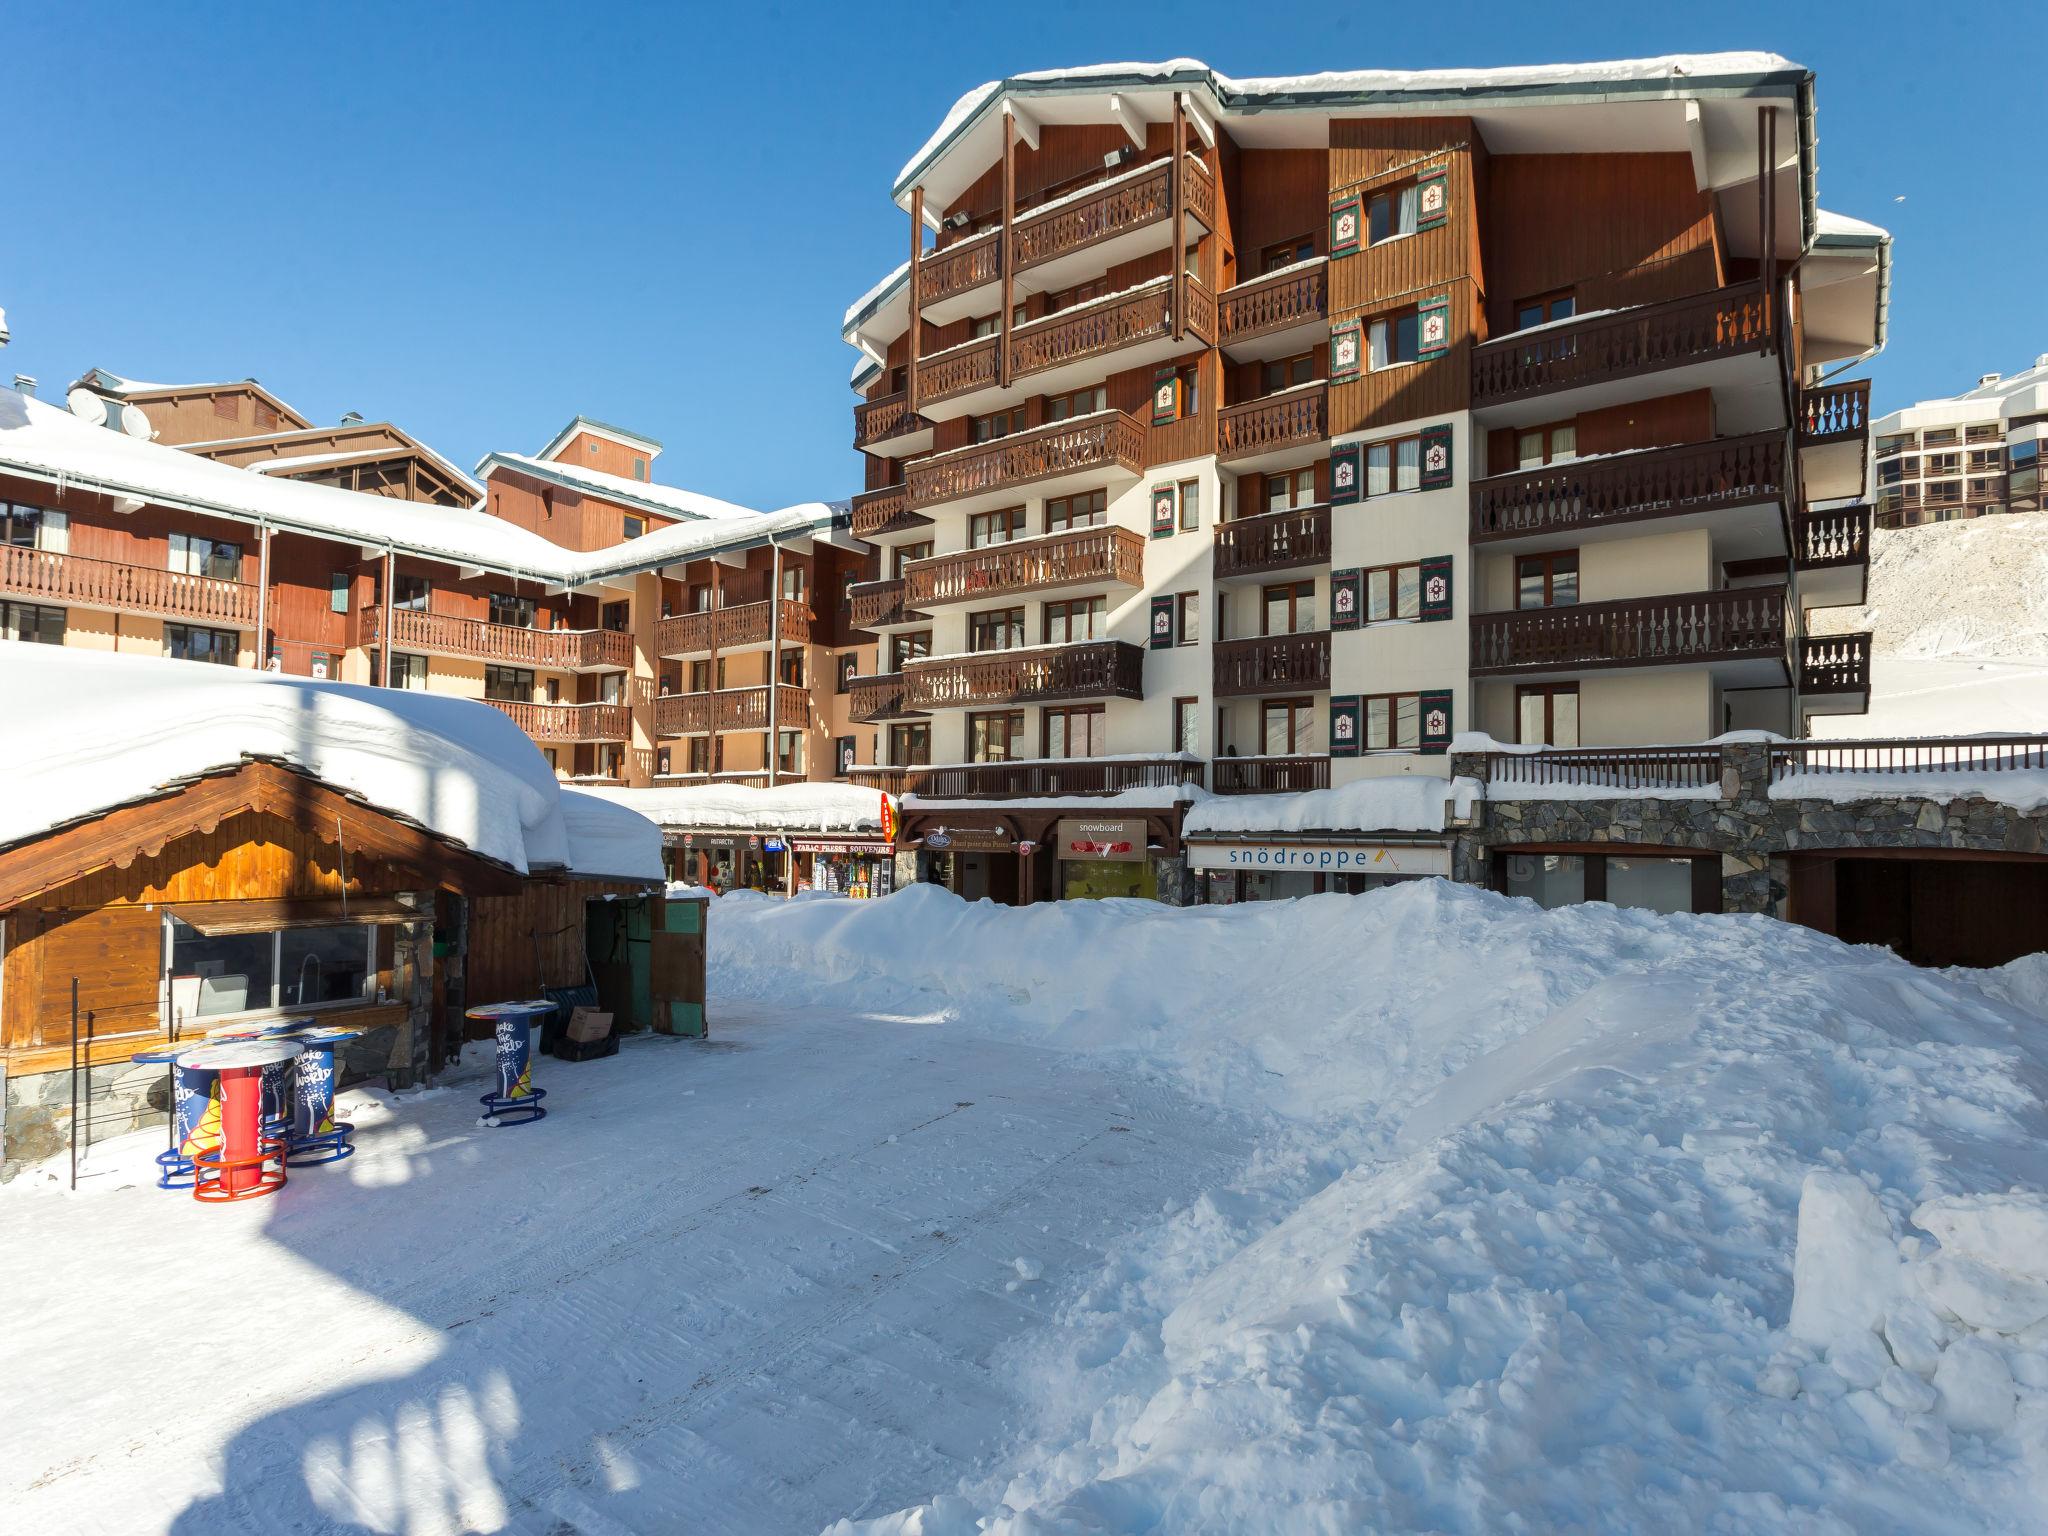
(1321, 858)
(773, 845)
(969, 840)
(1086, 837)
(713, 840)
(875, 848)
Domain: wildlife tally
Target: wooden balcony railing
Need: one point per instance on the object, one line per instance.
(1835, 663)
(569, 722)
(1291, 419)
(876, 421)
(1090, 330)
(1089, 669)
(1105, 441)
(880, 697)
(1620, 488)
(736, 625)
(1618, 768)
(1273, 541)
(1276, 303)
(1911, 755)
(1034, 777)
(1834, 412)
(1724, 322)
(1838, 536)
(1736, 623)
(1273, 664)
(442, 634)
(1271, 775)
(1077, 557)
(881, 602)
(875, 513)
(43, 576)
(730, 709)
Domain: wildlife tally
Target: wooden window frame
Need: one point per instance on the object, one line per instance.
(1062, 521)
(1014, 519)
(1546, 301)
(1393, 703)
(1550, 560)
(1391, 195)
(1187, 493)
(1300, 713)
(1291, 479)
(1305, 361)
(1391, 319)
(1012, 620)
(1392, 445)
(1097, 609)
(1184, 604)
(1295, 598)
(1549, 693)
(1291, 249)
(1014, 735)
(632, 525)
(902, 736)
(1098, 730)
(1393, 575)
(1187, 708)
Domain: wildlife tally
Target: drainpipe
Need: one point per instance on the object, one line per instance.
(390, 579)
(775, 667)
(262, 596)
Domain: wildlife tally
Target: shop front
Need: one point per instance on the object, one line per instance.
(1104, 856)
(1274, 869)
(845, 866)
(729, 861)
(1015, 855)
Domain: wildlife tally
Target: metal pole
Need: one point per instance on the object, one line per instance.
(774, 663)
(262, 596)
(74, 1082)
(390, 576)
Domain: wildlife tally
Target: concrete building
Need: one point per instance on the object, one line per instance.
(1971, 454)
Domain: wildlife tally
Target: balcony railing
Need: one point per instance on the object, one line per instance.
(1906, 756)
(1725, 322)
(1271, 775)
(1091, 330)
(568, 722)
(876, 421)
(880, 697)
(1291, 419)
(1286, 299)
(1620, 488)
(1838, 536)
(1618, 768)
(741, 624)
(1736, 623)
(1105, 441)
(1273, 664)
(1835, 663)
(875, 513)
(442, 634)
(730, 709)
(1077, 557)
(1035, 777)
(1089, 669)
(876, 603)
(1834, 412)
(44, 576)
(1273, 541)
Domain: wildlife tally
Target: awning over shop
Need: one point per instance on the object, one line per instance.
(217, 918)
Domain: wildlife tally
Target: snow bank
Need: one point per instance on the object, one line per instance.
(609, 841)
(805, 806)
(1518, 1247)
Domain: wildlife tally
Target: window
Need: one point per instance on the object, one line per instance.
(995, 738)
(847, 669)
(287, 968)
(1288, 609)
(845, 754)
(410, 592)
(792, 671)
(225, 408)
(1549, 879)
(407, 670)
(1544, 309)
(700, 676)
(1190, 378)
(1536, 446)
(1393, 722)
(1084, 509)
(1285, 372)
(513, 685)
(632, 525)
(1547, 714)
(1082, 402)
(1391, 214)
(1084, 618)
(515, 611)
(998, 629)
(997, 424)
(1894, 442)
(1547, 581)
(998, 527)
(789, 752)
(37, 623)
(217, 559)
(1393, 592)
(795, 583)
(1187, 726)
(1653, 882)
(988, 325)
(188, 642)
(1290, 488)
(1396, 339)
(908, 647)
(910, 745)
(639, 473)
(1190, 505)
(697, 755)
(1187, 618)
(1287, 726)
(903, 554)
(1393, 466)
(36, 528)
(617, 618)
(1075, 732)
(1286, 253)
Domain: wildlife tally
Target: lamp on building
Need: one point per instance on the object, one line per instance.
(958, 220)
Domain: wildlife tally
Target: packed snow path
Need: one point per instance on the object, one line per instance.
(746, 1285)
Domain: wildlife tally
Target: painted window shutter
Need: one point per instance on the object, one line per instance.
(1347, 590)
(1437, 469)
(1347, 720)
(1436, 720)
(1346, 223)
(1433, 329)
(1346, 350)
(1345, 483)
(1436, 587)
(1433, 198)
(1165, 395)
(1162, 511)
(1162, 623)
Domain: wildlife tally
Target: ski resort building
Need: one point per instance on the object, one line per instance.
(1968, 455)
(1262, 435)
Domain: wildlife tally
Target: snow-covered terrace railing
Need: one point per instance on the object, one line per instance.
(1274, 421)
(1908, 757)
(1624, 487)
(1102, 440)
(1294, 295)
(1034, 777)
(884, 511)
(1276, 775)
(1624, 770)
(1270, 541)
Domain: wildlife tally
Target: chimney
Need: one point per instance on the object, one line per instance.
(26, 384)
(1989, 378)
(351, 418)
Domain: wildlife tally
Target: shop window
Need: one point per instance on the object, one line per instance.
(37, 623)
(1549, 879)
(213, 975)
(190, 642)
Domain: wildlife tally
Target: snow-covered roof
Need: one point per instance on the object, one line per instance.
(608, 841)
(650, 446)
(1395, 803)
(806, 806)
(108, 731)
(668, 500)
(1997, 397)
(102, 382)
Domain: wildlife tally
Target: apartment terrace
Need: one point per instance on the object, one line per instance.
(1833, 433)
(1278, 314)
(79, 581)
(889, 427)
(879, 515)
(1744, 631)
(1565, 503)
(1051, 562)
(1297, 663)
(735, 627)
(558, 650)
(1834, 674)
(1033, 777)
(881, 697)
(563, 724)
(878, 605)
(1085, 669)
(1274, 775)
(1273, 541)
(1259, 430)
(1080, 450)
(1831, 552)
(731, 709)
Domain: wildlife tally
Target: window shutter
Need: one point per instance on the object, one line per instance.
(1347, 590)
(1433, 198)
(1345, 486)
(1347, 720)
(1345, 223)
(1436, 721)
(1162, 511)
(1345, 346)
(337, 592)
(1162, 623)
(1433, 328)
(1165, 396)
(1436, 458)
(1436, 587)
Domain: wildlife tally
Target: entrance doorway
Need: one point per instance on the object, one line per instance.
(1933, 909)
(986, 875)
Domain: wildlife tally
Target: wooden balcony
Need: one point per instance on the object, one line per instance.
(879, 777)
(1831, 552)
(730, 709)
(888, 426)
(740, 626)
(41, 576)
(1273, 541)
(1271, 775)
(881, 697)
(1273, 664)
(876, 514)
(1107, 441)
(557, 724)
(1621, 769)
(1088, 669)
(1260, 317)
(1035, 777)
(1735, 624)
(1623, 344)
(1583, 494)
(1079, 557)
(1293, 418)
(879, 605)
(559, 650)
(1834, 413)
(1834, 674)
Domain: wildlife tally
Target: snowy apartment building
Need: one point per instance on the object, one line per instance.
(1970, 454)
(1266, 434)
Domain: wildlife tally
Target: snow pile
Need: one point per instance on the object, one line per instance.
(1517, 1246)
(804, 806)
(609, 841)
(1393, 803)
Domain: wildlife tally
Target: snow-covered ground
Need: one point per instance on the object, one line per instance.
(1423, 1210)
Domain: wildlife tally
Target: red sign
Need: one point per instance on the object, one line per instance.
(888, 819)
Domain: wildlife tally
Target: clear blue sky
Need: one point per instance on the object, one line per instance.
(478, 221)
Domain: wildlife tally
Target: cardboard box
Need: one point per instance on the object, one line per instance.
(587, 1024)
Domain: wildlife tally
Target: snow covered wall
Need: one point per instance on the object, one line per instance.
(1518, 1246)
